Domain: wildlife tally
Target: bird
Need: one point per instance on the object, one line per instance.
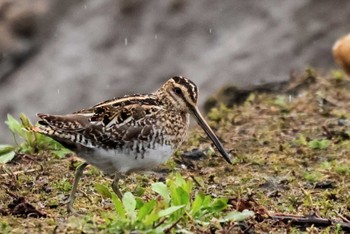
(131, 133)
(341, 53)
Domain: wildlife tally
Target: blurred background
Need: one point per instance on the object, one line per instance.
(58, 56)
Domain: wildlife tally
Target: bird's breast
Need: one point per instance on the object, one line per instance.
(125, 160)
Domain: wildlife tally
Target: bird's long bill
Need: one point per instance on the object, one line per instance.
(211, 134)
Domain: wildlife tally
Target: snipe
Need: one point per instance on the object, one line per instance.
(131, 133)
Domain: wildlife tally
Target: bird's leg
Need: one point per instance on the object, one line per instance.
(115, 187)
(78, 173)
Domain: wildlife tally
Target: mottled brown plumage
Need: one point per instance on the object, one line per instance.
(130, 133)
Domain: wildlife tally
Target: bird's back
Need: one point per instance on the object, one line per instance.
(124, 134)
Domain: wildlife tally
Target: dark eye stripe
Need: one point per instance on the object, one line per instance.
(189, 85)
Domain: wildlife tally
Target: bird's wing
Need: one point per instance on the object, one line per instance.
(108, 124)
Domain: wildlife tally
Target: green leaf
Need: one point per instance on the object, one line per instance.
(184, 195)
(180, 190)
(118, 206)
(103, 190)
(139, 203)
(7, 157)
(175, 197)
(236, 216)
(162, 190)
(129, 203)
(207, 200)
(25, 121)
(146, 209)
(24, 148)
(25, 124)
(218, 204)
(179, 197)
(151, 218)
(197, 204)
(4, 149)
(181, 182)
(14, 125)
(61, 153)
(169, 210)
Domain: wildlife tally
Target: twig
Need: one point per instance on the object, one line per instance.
(167, 230)
(344, 218)
(85, 195)
(159, 223)
(328, 133)
(11, 194)
(195, 180)
(8, 171)
(20, 172)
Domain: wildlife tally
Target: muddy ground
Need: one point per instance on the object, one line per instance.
(290, 149)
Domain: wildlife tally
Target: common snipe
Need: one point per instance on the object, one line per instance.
(131, 133)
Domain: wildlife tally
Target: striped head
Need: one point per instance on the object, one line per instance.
(180, 93)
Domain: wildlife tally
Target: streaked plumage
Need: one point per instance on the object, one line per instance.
(131, 133)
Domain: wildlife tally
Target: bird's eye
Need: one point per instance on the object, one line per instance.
(177, 90)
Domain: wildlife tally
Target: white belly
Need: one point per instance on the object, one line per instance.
(112, 161)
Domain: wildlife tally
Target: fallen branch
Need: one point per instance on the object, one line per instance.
(310, 220)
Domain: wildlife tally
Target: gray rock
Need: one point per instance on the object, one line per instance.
(102, 49)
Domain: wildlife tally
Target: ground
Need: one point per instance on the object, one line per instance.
(290, 150)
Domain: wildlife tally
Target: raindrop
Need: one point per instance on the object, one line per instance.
(85, 6)
(58, 91)
(210, 30)
(156, 36)
(126, 41)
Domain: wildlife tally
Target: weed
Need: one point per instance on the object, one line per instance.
(178, 204)
(319, 144)
(63, 185)
(27, 142)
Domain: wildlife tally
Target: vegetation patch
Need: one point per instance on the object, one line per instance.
(291, 173)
